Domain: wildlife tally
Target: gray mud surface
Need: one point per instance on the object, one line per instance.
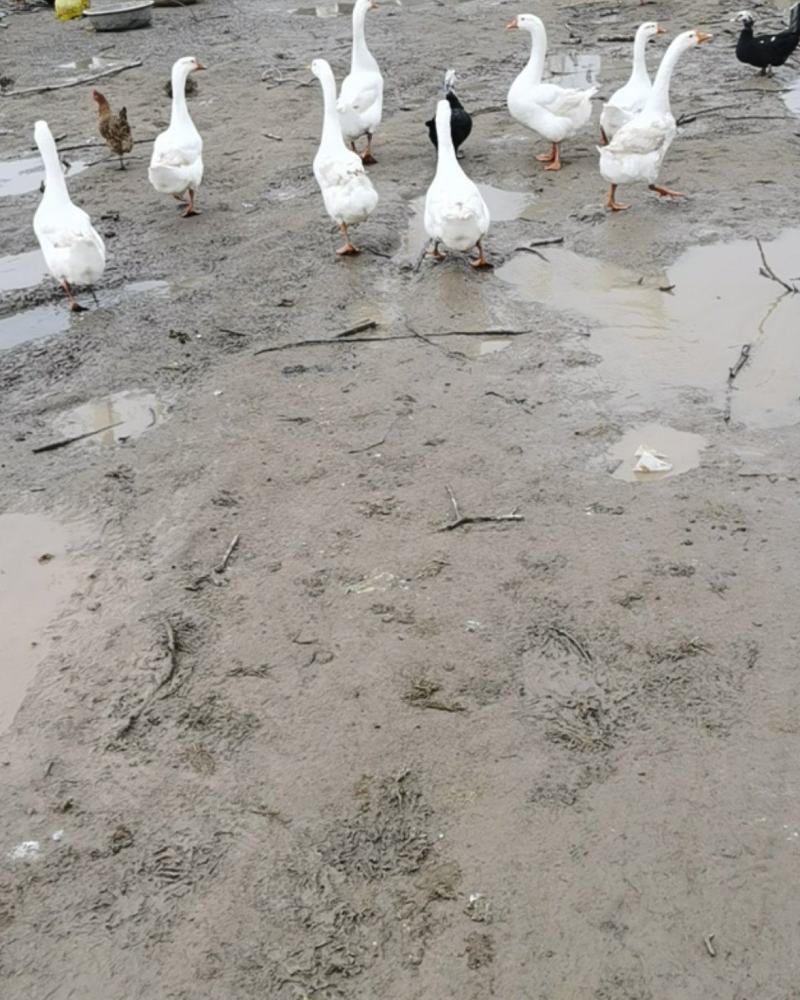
(369, 758)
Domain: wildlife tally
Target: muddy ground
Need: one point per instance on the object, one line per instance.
(546, 758)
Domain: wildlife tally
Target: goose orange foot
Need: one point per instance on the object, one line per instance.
(663, 192)
(612, 203)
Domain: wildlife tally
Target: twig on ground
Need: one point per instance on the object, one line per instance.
(227, 557)
(367, 324)
(741, 361)
(571, 641)
(520, 401)
(708, 941)
(55, 445)
(766, 271)
(172, 648)
(271, 135)
(460, 519)
(685, 119)
(76, 82)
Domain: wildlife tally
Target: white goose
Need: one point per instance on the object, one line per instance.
(556, 113)
(176, 166)
(636, 152)
(73, 250)
(455, 212)
(360, 102)
(629, 100)
(346, 190)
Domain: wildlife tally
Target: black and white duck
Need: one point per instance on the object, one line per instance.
(460, 118)
(767, 51)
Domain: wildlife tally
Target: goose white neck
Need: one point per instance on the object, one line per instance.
(331, 126)
(640, 74)
(55, 188)
(361, 57)
(446, 162)
(180, 112)
(659, 95)
(535, 66)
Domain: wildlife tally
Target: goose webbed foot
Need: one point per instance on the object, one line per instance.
(190, 209)
(348, 250)
(481, 264)
(555, 163)
(366, 157)
(436, 253)
(663, 192)
(74, 305)
(612, 203)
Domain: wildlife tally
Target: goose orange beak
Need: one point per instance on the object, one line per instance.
(199, 66)
(512, 25)
(702, 37)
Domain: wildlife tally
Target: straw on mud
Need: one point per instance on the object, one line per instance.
(77, 82)
(459, 519)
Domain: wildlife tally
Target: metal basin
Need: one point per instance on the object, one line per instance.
(121, 17)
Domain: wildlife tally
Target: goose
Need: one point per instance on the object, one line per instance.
(556, 113)
(455, 212)
(360, 102)
(766, 51)
(636, 152)
(460, 118)
(629, 100)
(72, 248)
(176, 166)
(346, 190)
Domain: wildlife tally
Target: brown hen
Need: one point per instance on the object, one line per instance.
(114, 128)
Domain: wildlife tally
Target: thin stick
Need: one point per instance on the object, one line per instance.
(271, 135)
(77, 82)
(171, 644)
(708, 941)
(685, 119)
(459, 519)
(55, 445)
(744, 357)
(367, 324)
(228, 553)
(767, 271)
(454, 502)
(338, 341)
(548, 241)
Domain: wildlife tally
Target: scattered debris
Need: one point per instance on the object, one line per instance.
(650, 460)
(75, 82)
(459, 519)
(28, 850)
(227, 557)
(767, 271)
(55, 445)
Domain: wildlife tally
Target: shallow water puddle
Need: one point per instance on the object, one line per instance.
(325, 10)
(791, 98)
(36, 578)
(504, 206)
(22, 270)
(681, 449)
(573, 69)
(46, 321)
(24, 175)
(33, 324)
(652, 340)
(133, 412)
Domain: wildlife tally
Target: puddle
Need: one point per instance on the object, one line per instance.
(791, 98)
(573, 69)
(21, 176)
(681, 450)
(46, 321)
(33, 324)
(22, 270)
(32, 590)
(133, 411)
(325, 10)
(654, 342)
(89, 65)
(474, 347)
(504, 206)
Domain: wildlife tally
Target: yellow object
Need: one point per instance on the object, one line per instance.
(67, 9)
